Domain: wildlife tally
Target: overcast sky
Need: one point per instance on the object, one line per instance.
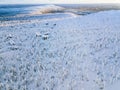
(57, 1)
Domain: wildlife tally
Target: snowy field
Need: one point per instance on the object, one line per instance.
(70, 53)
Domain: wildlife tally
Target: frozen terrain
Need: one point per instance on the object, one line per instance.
(68, 53)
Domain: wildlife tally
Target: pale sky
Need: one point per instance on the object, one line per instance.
(57, 1)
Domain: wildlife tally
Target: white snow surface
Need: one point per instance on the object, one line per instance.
(79, 53)
(115, 86)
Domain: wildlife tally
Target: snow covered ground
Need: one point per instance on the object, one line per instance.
(115, 86)
(75, 53)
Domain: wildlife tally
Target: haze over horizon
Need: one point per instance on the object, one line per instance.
(56, 1)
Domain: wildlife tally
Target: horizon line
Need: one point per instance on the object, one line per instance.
(55, 3)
